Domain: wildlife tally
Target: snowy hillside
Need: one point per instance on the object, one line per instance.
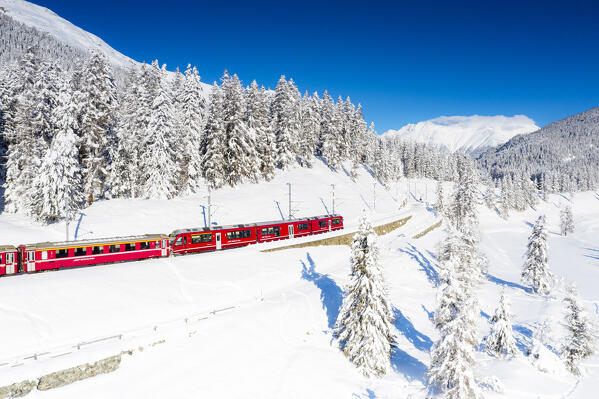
(275, 338)
(471, 134)
(45, 20)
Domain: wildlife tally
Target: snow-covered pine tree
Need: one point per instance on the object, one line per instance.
(213, 146)
(60, 184)
(192, 108)
(241, 159)
(124, 175)
(462, 210)
(360, 141)
(500, 341)
(490, 196)
(158, 163)
(310, 129)
(27, 134)
(329, 132)
(566, 220)
(463, 215)
(364, 325)
(505, 197)
(440, 205)
(452, 364)
(284, 118)
(258, 122)
(98, 120)
(536, 266)
(580, 340)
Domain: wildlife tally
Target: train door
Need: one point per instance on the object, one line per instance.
(10, 263)
(290, 231)
(218, 243)
(30, 261)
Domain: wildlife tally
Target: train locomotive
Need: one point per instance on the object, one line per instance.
(57, 255)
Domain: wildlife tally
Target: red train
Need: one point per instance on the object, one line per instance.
(56, 255)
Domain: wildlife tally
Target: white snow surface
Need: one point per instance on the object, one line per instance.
(275, 340)
(470, 134)
(46, 20)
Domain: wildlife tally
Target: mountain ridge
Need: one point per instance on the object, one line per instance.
(470, 134)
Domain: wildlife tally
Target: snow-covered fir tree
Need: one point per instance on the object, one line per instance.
(158, 162)
(440, 205)
(241, 158)
(566, 220)
(125, 179)
(580, 340)
(60, 184)
(500, 341)
(213, 162)
(98, 119)
(192, 107)
(536, 266)
(330, 135)
(285, 122)
(364, 325)
(260, 127)
(462, 211)
(463, 215)
(28, 135)
(309, 129)
(452, 364)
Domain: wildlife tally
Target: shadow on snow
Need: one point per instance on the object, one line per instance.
(424, 262)
(505, 283)
(331, 295)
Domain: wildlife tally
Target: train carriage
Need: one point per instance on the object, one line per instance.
(280, 230)
(55, 255)
(9, 259)
(325, 223)
(201, 239)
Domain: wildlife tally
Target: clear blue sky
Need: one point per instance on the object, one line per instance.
(404, 61)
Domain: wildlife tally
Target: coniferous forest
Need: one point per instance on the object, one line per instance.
(162, 134)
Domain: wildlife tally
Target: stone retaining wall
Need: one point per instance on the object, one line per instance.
(345, 239)
(63, 377)
(429, 229)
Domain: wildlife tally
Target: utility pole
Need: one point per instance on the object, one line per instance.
(289, 184)
(209, 207)
(332, 185)
(374, 195)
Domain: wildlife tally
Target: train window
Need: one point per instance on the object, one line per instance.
(44, 255)
(114, 248)
(201, 238)
(234, 235)
(97, 250)
(336, 221)
(130, 246)
(322, 223)
(144, 245)
(80, 251)
(271, 230)
(302, 226)
(62, 253)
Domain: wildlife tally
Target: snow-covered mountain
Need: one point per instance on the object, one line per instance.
(471, 134)
(49, 22)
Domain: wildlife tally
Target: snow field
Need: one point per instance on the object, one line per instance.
(277, 341)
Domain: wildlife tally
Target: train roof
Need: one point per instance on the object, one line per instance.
(6, 248)
(97, 241)
(241, 226)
